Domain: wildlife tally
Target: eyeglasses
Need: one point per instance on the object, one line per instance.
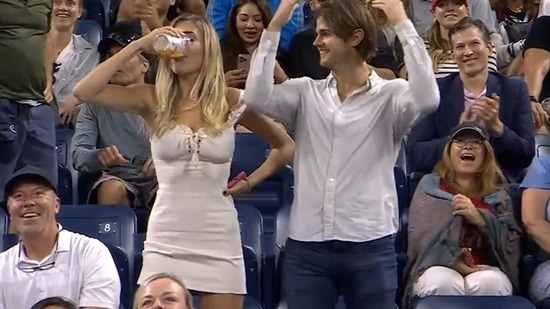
(29, 269)
(476, 143)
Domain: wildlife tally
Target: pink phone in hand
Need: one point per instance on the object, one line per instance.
(239, 177)
(469, 257)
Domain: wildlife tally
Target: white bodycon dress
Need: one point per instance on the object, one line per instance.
(193, 231)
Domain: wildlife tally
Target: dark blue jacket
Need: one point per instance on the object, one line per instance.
(514, 149)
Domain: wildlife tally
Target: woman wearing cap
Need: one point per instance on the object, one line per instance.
(190, 113)
(462, 235)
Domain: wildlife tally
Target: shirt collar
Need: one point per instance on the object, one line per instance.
(374, 80)
(62, 244)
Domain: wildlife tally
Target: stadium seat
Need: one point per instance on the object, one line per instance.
(8, 240)
(123, 267)
(542, 142)
(97, 11)
(474, 302)
(4, 222)
(249, 303)
(90, 30)
(402, 157)
(271, 194)
(113, 224)
(85, 182)
(339, 305)
(64, 185)
(67, 182)
(403, 195)
(251, 225)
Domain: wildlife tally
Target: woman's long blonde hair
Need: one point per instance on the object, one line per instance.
(209, 89)
(185, 291)
(488, 179)
(439, 48)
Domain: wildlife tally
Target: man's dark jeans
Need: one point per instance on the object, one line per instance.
(316, 273)
(27, 137)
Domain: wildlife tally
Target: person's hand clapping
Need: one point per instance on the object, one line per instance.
(282, 15)
(394, 10)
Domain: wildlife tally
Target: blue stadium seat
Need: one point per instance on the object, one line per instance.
(249, 303)
(123, 267)
(113, 224)
(90, 30)
(339, 305)
(8, 240)
(251, 225)
(403, 196)
(402, 157)
(67, 182)
(274, 192)
(97, 11)
(64, 184)
(474, 302)
(542, 142)
(4, 222)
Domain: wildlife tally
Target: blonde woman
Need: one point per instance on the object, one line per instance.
(193, 230)
(446, 14)
(462, 235)
(163, 291)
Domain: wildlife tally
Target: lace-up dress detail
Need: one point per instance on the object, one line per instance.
(193, 230)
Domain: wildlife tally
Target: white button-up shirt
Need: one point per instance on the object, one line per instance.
(79, 268)
(345, 151)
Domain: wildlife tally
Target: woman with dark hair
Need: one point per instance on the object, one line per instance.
(462, 235)
(246, 22)
(55, 303)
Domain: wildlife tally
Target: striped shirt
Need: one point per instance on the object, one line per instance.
(449, 65)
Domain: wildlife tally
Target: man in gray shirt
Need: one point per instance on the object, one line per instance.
(115, 143)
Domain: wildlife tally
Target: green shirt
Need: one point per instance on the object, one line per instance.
(23, 28)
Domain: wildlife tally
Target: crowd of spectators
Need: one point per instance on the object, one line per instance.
(491, 59)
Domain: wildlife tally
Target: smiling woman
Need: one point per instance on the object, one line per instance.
(462, 236)
(246, 21)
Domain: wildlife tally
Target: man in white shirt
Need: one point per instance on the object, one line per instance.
(50, 261)
(348, 131)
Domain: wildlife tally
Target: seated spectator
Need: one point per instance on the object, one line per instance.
(55, 303)
(218, 12)
(514, 20)
(462, 235)
(113, 142)
(499, 103)
(49, 260)
(448, 13)
(154, 291)
(75, 56)
(422, 13)
(537, 65)
(245, 25)
(154, 14)
(302, 58)
(535, 214)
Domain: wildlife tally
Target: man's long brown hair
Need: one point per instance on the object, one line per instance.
(487, 180)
